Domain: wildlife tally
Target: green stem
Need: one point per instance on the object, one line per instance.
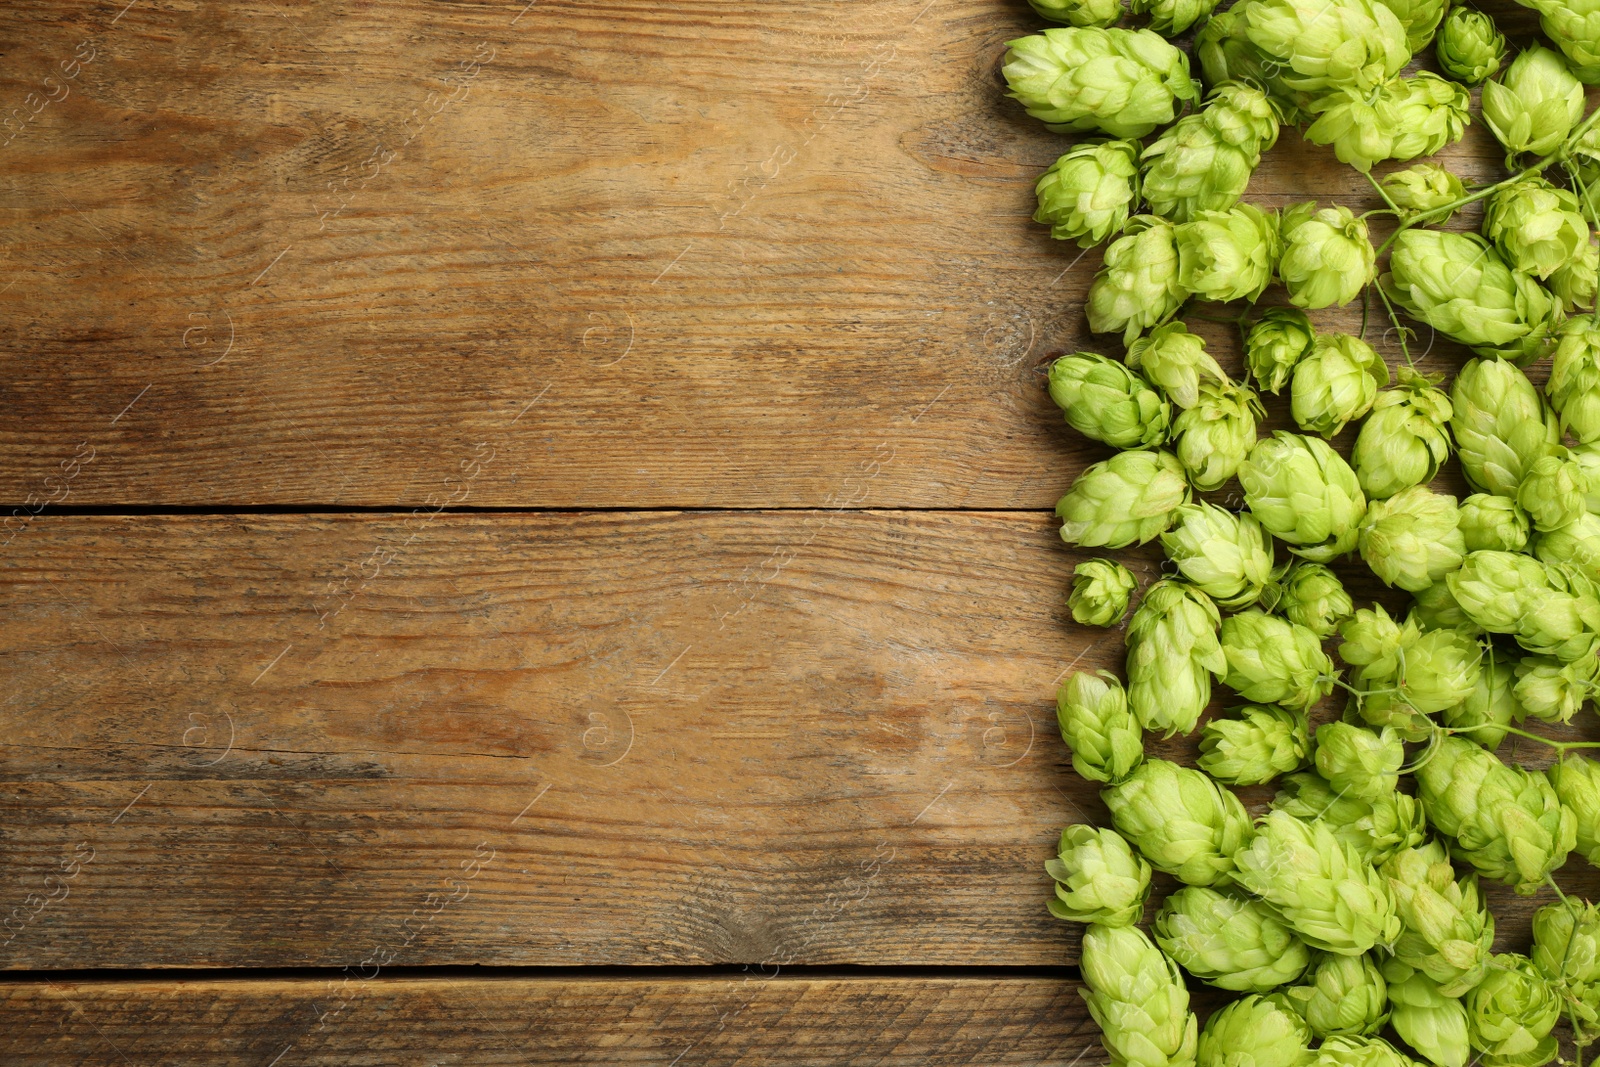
(1387, 199)
(1399, 329)
(1562, 747)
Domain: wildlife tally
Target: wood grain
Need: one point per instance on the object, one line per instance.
(524, 1022)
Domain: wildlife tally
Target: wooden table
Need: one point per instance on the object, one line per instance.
(530, 534)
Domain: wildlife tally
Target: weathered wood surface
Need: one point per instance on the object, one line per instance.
(316, 251)
(555, 1021)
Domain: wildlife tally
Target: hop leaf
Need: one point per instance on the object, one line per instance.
(1099, 879)
(1092, 711)
(1469, 47)
(1122, 82)
(1345, 997)
(1138, 286)
(1127, 499)
(1254, 744)
(1100, 592)
(1226, 556)
(1327, 256)
(1179, 820)
(1137, 997)
(1172, 653)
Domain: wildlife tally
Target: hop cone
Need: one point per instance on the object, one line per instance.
(1180, 820)
(1547, 608)
(1574, 25)
(1100, 13)
(1323, 888)
(1535, 104)
(1427, 1020)
(1176, 361)
(1491, 706)
(1226, 556)
(1138, 286)
(1493, 522)
(1554, 491)
(1576, 545)
(1358, 762)
(1099, 879)
(1577, 782)
(1510, 1015)
(1448, 932)
(1441, 668)
(1412, 539)
(1436, 609)
(1536, 226)
(1588, 457)
(1360, 1052)
(1327, 256)
(1500, 425)
(1574, 283)
(1574, 385)
(1550, 690)
(1227, 255)
(1122, 82)
(1566, 950)
(1172, 653)
(1376, 829)
(1106, 742)
(1309, 595)
(1507, 822)
(1279, 340)
(1339, 44)
(1404, 119)
(1172, 17)
(1461, 287)
(1213, 437)
(1227, 55)
(1273, 660)
(1229, 941)
(1425, 187)
(1345, 996)
(1101, 398)
(1127, 499)
(1304, 493)
(1085, 196)
(1404, 441)
(1137, 997)
(1254, 744)
(1337, 382)
(1204, 162)
(1255, 1031)
(1469, 47)
(1100, 592)
(1374, 642)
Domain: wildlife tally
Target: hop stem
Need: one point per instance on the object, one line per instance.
(1561, 747)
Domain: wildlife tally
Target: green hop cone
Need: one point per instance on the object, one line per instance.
(1566, 950)
(1574, 385)
(1273, 660)
(1345, 996)
(1099, 879)
(1404, 441)
(1436, 609)
(1176, 362)
(1469, 48)
(1309, 595)
(1085, 196)
(1507, 822)
(1172, 653)
(1227, 55)
(1511, 1013)
(1323, 888)
(1548, 608)
(1576, 545)
(1424, 187)
(1226, 556)
(1577, 782)
(1574, 25)
(1101, 589)
(1500, 425)
(1588, 457)
(1549, 690)
(1204, 161)
(1441, 668)
(1227, 255)
(1255, 1031)
(1459, 285)
(1535, 104)
(1305, 494)
(1105, 738)
(1180, 820)
(1138, 286)
(1448, 932)
(1100, 13)
(1576, 281)
(1427, 1020)
(1213, 437)
(1404, 119)
(1138, 998)
(1278, 341)
(1493, 522)
(1358, 762)
(1376, 830)
(1337, 382)
(1360, 1052)
(1586, 181)
(1254, 744)
(1491, 706)
(1229, 941)
(1554, 491)
(1172, 17)
(1101, 398)
(1536, 226)
(1413, 539)
(1077, 78)
(1338, 44)
(1127, 499)
(1374, 642)
(1419, 17)
(1403, 674)
(1327, 255)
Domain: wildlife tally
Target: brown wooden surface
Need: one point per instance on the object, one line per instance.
(413, 1021)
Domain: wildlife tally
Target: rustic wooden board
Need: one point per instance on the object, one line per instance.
(445, 1021)
(317, 251)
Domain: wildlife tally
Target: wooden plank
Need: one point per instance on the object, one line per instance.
(651, 255)
(524, 1022)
